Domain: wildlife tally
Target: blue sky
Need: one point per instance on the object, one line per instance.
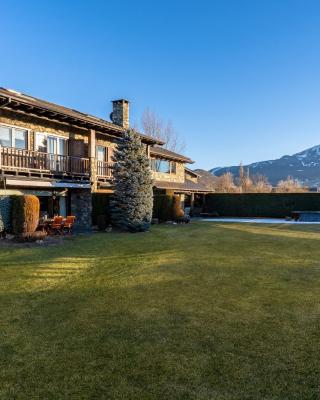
(238, 78)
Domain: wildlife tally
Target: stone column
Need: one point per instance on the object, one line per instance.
(191, 203)
(81, 208)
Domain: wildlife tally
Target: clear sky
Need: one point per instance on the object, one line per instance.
(238, 78)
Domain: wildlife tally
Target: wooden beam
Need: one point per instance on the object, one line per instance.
(92, 158)
(5, 102)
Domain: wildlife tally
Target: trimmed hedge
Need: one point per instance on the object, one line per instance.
(5, 213)
(277, 205)
(177, 211)
(101, 209)
(167, 207)
(25, 214)
(162, 207)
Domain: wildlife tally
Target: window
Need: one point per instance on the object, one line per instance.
(51, 144)
(173, 167)
(56, 145)
(41, 143)
(163, 166)
(104, 154)
(13, 137)
(5, 136)
(20, 139)
(101, 153)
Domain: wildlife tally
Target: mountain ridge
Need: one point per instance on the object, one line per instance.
(303, 167)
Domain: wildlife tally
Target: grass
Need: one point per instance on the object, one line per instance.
(205, 311)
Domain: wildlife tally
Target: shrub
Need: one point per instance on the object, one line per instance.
(25, 214)
(162, 207)
(5, 213)
(102, 222)
(177, 211)
(100, 206)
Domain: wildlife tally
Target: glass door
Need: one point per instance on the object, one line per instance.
(101, 159)
(57, 149)
(52, 150)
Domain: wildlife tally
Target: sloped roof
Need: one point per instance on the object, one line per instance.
(13, 100)
(161, 152)
(191, 172)
(207, 179)
(186, 186)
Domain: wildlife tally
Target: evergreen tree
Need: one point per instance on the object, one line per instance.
(131, 206)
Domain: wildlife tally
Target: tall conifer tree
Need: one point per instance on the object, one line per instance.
(131, 207)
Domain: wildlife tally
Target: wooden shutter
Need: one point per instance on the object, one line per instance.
(76, 148)
(110, 154)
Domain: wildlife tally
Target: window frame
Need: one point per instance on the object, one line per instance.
(105, 152)
(171, 170)
(13, 135)
(53, 135)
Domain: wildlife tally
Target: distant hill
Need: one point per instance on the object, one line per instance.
(303, 166)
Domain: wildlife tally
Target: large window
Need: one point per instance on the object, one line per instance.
(51, 144)
(163, 166)
(13, 137)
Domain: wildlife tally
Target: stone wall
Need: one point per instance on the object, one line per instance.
(107, 141)
(191, 177)
(81, 207)
(35, 124)
(179, 176)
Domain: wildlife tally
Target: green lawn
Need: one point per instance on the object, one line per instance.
(201, 311)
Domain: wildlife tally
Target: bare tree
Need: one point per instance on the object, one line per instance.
(225, 184)
(261, 184)
(155, 127)
(244, 182)
(289, 185)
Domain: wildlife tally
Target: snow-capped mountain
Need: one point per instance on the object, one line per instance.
(303, 166)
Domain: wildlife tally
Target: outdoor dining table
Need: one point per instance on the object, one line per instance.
(44, 225)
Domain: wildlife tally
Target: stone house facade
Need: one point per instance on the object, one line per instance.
(64, 156)
(172, 177)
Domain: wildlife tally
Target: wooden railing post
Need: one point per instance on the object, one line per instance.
(0, 156)
(92, 159)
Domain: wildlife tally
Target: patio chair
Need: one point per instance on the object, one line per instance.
(68, 224)
(56, 227)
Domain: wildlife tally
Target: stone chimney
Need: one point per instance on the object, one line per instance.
(120, 113)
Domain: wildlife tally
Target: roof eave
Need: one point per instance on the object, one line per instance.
(14, 103)
(168, 157)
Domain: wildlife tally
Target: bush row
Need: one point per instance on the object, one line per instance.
(165, 208)
(278, 205)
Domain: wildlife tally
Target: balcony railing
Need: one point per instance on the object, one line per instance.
(104, 169)
(34, 161)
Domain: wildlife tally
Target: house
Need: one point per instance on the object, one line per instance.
(171, 176)
(63, 156)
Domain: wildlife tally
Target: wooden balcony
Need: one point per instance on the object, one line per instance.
(28, 161)
(104, 170)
